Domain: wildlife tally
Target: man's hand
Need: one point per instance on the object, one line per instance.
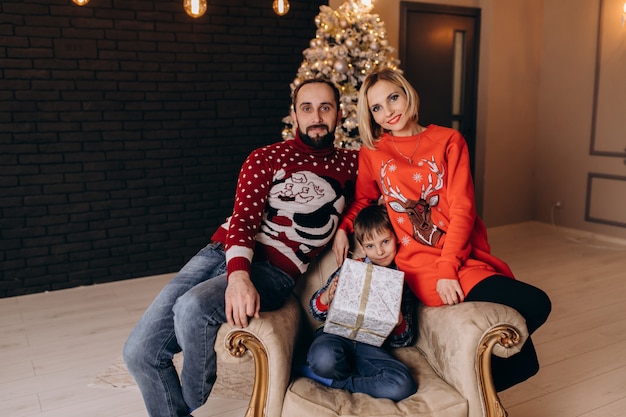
(242, 299)
(341, 246)
(450, 291)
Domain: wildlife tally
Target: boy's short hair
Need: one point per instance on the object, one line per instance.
(371, 220)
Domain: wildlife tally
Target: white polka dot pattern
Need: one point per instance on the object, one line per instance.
(287, 204)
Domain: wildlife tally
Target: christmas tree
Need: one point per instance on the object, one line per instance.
(349, 43)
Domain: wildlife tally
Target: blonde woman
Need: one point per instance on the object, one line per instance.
(423, 175)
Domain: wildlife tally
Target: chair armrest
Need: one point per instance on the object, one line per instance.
(270, 340)
(458, 342)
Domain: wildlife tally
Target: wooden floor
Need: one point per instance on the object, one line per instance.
(53, 344)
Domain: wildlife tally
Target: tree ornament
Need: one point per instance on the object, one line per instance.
(341, 66)
(350, 43)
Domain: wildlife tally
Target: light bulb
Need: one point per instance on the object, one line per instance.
(194, 8)
(281, 7)
(80, 2)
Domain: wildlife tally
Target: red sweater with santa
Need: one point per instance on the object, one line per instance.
(288, 202)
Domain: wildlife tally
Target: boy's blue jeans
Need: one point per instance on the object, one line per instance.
(186, 315)
(359, 367)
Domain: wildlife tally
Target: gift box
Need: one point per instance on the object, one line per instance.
(366, 305)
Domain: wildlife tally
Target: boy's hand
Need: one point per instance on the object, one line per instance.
(327, 296)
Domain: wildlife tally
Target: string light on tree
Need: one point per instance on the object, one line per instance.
(349, 43)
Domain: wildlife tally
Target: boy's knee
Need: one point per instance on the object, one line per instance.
(322, 369)
(402, 392)
(323, 360)
(401, 387)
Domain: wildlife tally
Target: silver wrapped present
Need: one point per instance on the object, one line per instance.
(367, 302)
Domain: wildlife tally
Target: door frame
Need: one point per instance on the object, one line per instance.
(470, 85)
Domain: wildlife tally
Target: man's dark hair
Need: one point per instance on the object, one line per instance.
(312, 81)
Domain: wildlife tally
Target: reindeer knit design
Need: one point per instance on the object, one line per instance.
(288, 202)
(432, 209)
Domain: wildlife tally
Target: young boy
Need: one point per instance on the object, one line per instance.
(338, 362)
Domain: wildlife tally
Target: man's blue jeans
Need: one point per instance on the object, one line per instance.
(186, 315)
(359, 367)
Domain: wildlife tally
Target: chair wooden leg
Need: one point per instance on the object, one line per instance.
(238, 342)
(506, 336)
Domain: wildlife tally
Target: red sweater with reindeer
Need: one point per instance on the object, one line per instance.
(430, 199)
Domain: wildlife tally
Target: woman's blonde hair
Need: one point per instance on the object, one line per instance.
(369, 130)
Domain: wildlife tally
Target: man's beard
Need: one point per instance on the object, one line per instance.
(318, 142)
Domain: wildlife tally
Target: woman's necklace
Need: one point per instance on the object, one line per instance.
(409, 158)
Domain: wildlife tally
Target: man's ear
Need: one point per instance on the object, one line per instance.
(339, 115)
(294, 120)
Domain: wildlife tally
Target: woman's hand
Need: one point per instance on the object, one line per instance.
(450, 291)
(341, 246)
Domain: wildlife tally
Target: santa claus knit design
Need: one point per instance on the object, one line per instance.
(288, 202)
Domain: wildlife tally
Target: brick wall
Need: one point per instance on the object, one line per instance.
(123, 125)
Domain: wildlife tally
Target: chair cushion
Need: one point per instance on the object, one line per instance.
(434, 398)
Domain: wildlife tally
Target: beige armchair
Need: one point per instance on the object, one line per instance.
(451, 359)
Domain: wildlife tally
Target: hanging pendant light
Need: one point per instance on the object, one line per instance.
(281, 7)
(80, 2)
(194, 8)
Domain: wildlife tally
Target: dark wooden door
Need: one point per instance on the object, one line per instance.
(439, 56)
